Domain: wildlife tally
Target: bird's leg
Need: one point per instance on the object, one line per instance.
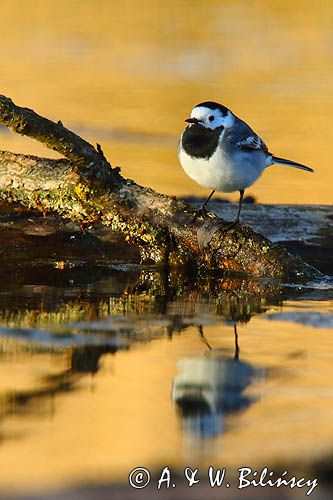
(236, 221)
(241, 195)
(202, 211)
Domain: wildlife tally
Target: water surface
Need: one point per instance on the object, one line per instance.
(135, 367)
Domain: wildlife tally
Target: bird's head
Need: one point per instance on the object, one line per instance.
(211, 115)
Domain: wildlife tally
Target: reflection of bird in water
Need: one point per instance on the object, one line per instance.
(206, 388)
(203, 338)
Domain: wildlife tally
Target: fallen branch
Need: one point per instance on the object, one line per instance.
(85, 189)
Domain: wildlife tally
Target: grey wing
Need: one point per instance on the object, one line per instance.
(252, 143)
(245, 139)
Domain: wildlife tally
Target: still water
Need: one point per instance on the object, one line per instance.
(106, 366)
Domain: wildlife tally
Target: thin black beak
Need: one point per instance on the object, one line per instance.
(192, 120)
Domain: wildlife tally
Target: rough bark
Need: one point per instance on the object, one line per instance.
(85, 189)
(55, 136)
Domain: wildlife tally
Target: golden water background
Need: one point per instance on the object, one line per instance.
(125, 417)
(126, 74)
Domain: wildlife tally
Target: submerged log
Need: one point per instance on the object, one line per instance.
(86, 189)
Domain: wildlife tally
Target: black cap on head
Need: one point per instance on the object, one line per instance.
(214, 105)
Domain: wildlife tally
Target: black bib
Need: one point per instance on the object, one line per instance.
(200, 142)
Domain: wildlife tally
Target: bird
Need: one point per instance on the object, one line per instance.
(221, 152)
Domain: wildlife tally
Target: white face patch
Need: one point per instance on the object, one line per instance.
(212, 118)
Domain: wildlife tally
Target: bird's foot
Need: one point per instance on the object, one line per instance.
(232, 225)
(202, 213)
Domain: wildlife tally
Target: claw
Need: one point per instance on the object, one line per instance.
(232, 225)
(202, 212)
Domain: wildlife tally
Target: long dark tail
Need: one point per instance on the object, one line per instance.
(283, 161)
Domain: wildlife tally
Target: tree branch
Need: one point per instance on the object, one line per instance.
(160, 225)
(55, 136)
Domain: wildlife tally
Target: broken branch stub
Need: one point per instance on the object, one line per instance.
(55, 136)
(162, 226)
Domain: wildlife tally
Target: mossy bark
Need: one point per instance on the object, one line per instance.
(85, 189)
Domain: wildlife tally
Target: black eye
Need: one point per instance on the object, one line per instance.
(211, 118)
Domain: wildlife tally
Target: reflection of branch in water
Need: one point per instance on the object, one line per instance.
(43, 295)
(84, 360)
(136, 305)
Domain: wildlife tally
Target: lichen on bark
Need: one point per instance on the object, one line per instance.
(86, 189)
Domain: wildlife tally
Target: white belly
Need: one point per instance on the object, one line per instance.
(220, 173)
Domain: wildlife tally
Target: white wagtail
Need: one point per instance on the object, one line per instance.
(221, 152)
